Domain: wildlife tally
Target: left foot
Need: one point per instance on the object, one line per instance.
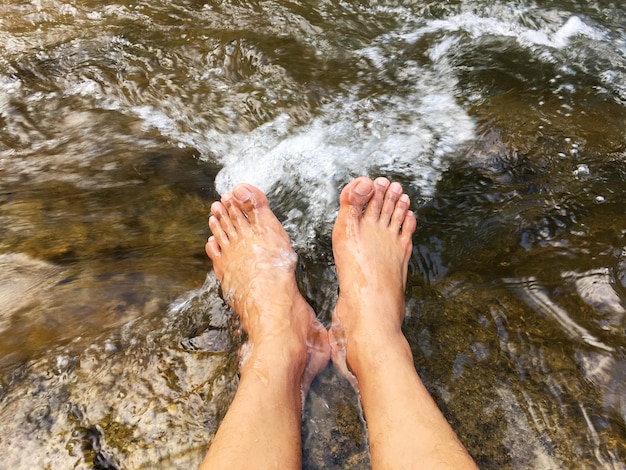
(255, 264)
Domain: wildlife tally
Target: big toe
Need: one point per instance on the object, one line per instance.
(356, 194)
(252, 201)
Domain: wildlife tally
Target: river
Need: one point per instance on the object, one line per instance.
(121, 123)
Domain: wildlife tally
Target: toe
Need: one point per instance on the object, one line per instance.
(220, 236)
(399, 212)
(252, 201)
(375, 205)
(409, 224)
(357, 194)
(220, 214)
(212, 248)
(394, 191)
(237, 217)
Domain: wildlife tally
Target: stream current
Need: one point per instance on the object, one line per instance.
(121, 123)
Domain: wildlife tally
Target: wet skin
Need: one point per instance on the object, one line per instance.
(262, 287)
(287, 347)
(372, 247)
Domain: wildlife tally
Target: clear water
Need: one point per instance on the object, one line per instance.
(121, 123)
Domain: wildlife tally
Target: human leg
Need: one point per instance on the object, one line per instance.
(372, 247)
(286, 348)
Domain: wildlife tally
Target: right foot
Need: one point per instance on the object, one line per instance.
(372, 245)
(255, 264)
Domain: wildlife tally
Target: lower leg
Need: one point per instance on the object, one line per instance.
(372, 246)
(262, 426)
(286, 348)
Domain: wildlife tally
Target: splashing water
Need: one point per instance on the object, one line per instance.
(121, 123)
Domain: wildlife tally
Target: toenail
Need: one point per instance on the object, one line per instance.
(362, 188)
(382, 182)
(242, 193)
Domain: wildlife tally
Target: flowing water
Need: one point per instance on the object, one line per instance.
(120, 123)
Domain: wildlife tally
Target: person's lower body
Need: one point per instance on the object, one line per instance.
(372, 246)
(287, 347)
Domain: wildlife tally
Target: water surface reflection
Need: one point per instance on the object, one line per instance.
(119, 125)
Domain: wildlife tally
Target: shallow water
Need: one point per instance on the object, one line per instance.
(121, 123)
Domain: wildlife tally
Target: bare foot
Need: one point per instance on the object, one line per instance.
(255, 264)
(372, 246)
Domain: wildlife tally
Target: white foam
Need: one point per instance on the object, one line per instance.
(409, 130)
(478, 26)
(408, 134)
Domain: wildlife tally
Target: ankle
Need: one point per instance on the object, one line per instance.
(278, 352)
(362, 314)
(368, 353)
